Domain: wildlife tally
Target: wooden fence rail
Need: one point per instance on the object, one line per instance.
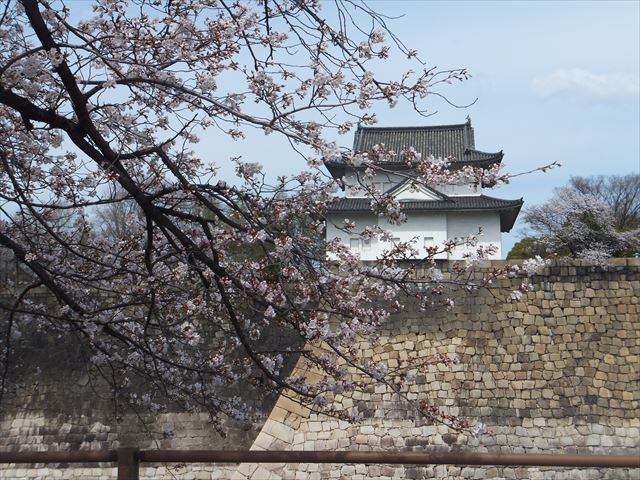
(129, 459)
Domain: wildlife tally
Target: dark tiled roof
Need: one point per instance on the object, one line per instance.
(440, 141)
(508, 209)
(471, 202)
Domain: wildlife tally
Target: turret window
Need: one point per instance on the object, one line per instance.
(359, 244)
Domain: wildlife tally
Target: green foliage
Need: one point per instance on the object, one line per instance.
(528, 247)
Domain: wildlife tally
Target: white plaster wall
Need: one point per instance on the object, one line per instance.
(421, 226)
(425, 228)
(418, 226)
(382, 181)
(335, 224)
(466, 189)
(462, 224)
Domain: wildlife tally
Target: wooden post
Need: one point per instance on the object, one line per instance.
(128, 464)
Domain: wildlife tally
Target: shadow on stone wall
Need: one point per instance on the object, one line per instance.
(55, 401)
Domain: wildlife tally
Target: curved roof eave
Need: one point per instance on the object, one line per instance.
(460, 204)
(337, 168)
(508, 217)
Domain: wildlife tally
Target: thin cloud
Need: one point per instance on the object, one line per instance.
(614, 86)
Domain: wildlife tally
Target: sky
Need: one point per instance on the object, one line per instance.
(552, 81)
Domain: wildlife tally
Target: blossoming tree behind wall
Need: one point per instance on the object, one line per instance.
(592, 218)
(112, 103)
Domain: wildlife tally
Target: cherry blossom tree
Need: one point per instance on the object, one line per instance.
(115, 103)
(580, 225)
(621, 193)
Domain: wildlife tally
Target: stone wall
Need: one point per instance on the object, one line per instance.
(557, 373)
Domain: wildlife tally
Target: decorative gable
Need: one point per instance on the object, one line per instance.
(410, 190)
